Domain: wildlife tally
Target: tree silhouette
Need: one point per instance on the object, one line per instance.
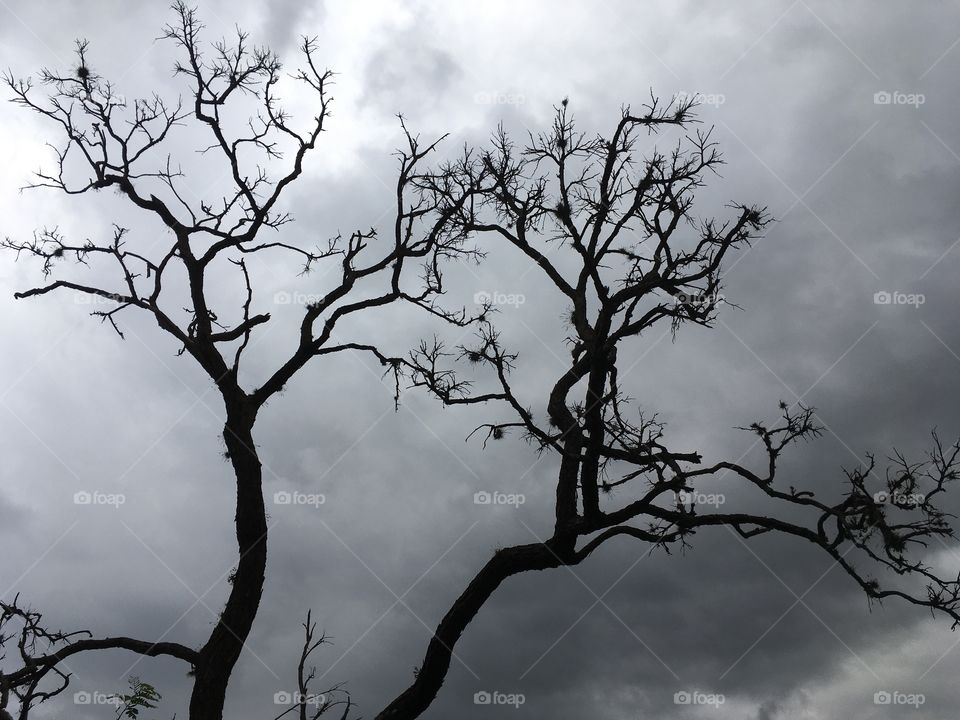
(109, 143)
(641, 258)
(565, 198)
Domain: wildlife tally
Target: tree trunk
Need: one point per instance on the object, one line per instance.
(222, 650)
(413, 701)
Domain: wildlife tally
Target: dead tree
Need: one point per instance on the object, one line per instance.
(308, 705)
(109, 143)
(642, 259)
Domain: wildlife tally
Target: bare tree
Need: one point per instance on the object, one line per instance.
(625, 223)
(308, 705)
(109, 143)
(40, 650)
(641, 258)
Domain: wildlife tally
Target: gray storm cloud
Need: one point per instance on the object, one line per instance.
(863, 187)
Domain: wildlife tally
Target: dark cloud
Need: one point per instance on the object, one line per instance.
(405, 64)
(864, 197)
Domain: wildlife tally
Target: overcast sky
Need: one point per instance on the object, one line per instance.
(864, 194)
